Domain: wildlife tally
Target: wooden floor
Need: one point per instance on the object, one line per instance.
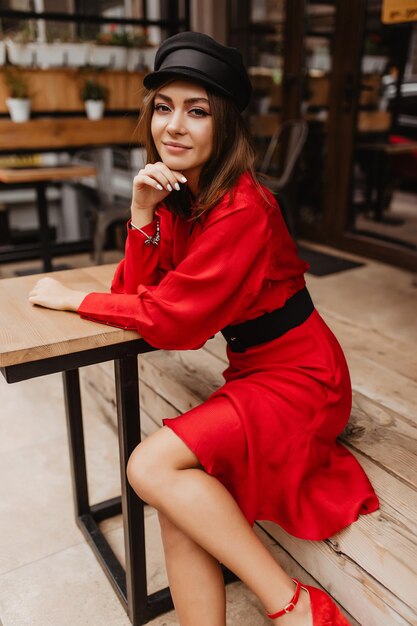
(371, 567)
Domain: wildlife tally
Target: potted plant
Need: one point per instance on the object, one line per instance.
(110, 49)
(18, 102)
(94, 95)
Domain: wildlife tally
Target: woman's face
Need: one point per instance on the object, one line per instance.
(182, 127)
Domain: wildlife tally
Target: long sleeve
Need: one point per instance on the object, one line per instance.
(140, 264)
(209, 288)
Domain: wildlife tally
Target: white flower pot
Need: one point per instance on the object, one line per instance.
(47, 54)
(19, 109)
(61, 54)
(2, 52)
(24, 54)
(114, 57)
(94, 109)
(140, 58)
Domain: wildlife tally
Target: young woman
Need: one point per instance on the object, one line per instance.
(207, 251)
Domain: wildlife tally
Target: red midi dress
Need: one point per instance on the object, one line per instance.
(269, 433)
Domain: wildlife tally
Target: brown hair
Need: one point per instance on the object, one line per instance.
(232, 155)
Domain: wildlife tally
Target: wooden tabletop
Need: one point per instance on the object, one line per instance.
(390, 148)
(30, 333)
(33, 174)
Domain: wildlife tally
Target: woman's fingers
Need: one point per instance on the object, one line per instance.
(144, 179)
(48, 292)
(153, 183)
(163, 177)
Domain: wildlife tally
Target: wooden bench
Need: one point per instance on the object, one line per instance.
(369, 568)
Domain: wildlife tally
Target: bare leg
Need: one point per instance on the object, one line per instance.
(165, 473)
(195, 579)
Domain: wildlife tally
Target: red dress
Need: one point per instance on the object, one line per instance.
(269, 433)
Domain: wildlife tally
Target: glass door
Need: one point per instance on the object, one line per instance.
(383, 199)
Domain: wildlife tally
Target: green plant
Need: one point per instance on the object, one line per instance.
(92, 90)
(136, 39)
(17, 84)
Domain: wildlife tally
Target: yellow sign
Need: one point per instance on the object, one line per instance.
(395, 11)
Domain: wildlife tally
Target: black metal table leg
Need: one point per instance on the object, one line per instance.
(74, 416)
(87, 517)
(128, 419)
(42, 208)
(141, 607)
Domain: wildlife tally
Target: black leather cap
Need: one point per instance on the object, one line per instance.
(196, 56)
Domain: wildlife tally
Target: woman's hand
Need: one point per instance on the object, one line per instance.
(152, 184)
(52, 294)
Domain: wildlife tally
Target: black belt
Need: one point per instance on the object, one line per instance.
(270, 325)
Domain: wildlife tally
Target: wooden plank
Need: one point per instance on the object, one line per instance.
(292, 567)
(373, 429)
(394, 391)
(374, 348)
(368, 601)
(384, 549)
(217, 347)
(196, 371)
(38, 174)
(377, 298)
(58, 89)
(384, 543)
(98, 382)
(67, 132)
(153, 373)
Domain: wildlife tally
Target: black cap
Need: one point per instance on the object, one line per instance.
(199, 57)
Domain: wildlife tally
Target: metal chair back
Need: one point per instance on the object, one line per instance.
(295, 132)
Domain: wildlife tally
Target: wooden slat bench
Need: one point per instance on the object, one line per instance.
(371, 567)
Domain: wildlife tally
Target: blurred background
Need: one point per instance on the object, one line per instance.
(333, 115)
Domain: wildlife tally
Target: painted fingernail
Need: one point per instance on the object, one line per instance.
(177, 186)
(158, 186)
(183, 179)
(169, 187)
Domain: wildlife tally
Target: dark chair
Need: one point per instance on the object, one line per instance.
(111, 203)
(292, 134)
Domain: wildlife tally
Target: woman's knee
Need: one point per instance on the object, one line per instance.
(151, 462)
(143, 471)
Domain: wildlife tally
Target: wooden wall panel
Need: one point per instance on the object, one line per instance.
(50, 133)
(56, 90)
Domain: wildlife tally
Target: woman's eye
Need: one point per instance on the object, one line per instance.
(163, 108)
(199, 112)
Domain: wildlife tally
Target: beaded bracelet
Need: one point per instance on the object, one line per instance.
(149, 239)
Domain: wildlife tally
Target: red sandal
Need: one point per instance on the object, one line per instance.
(323, 609)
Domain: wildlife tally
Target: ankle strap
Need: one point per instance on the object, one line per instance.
(291, 605)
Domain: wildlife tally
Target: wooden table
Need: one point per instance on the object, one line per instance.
(35, 341)
(377, 178)
(39, 177)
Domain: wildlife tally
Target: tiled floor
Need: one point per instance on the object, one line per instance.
(48, 574)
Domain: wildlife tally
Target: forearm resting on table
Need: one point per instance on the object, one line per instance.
(75, 299)
(52, 294)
